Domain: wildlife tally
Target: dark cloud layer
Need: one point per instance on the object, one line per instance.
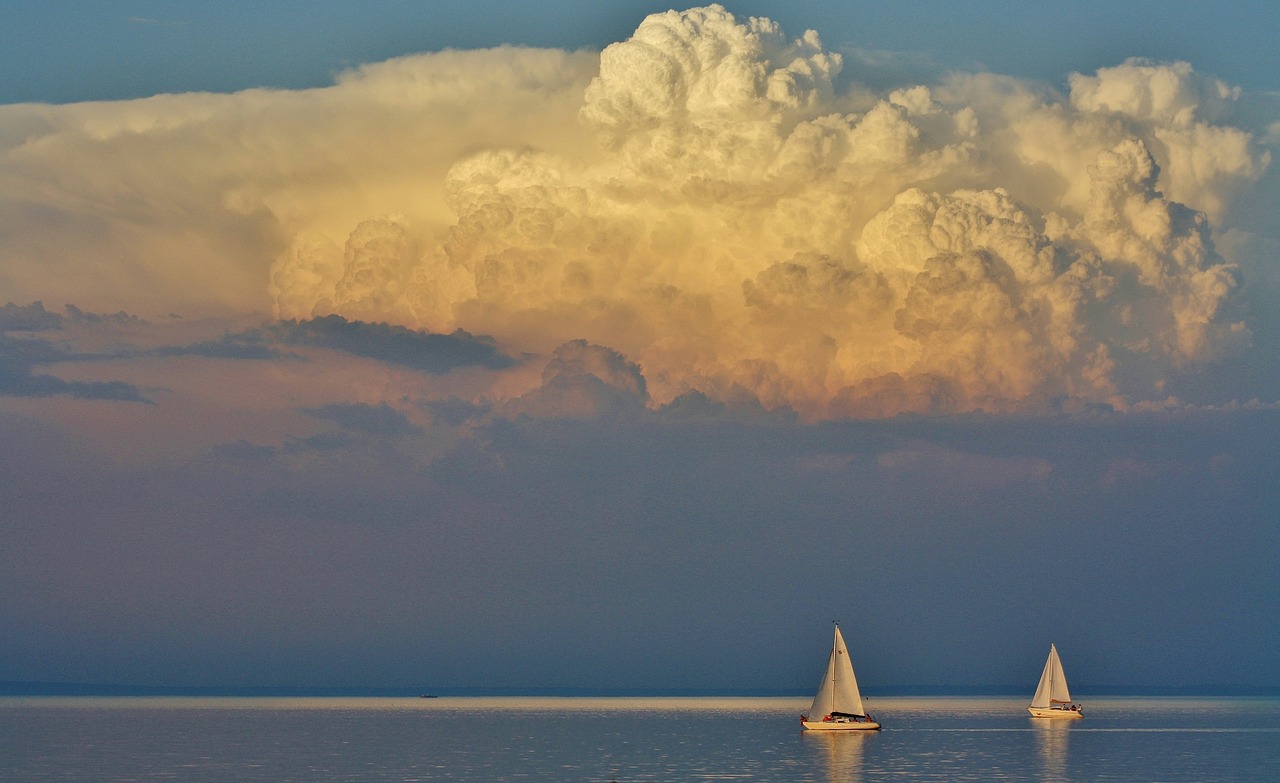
(378, 420)
(252, 345)
(35, 318)
(433, 353)
(28, 318)
(436, 354)
(18, 377)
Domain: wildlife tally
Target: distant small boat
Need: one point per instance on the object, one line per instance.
(838, 705)
(427, 696)
(1052, 699)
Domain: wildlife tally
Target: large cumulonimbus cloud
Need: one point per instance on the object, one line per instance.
(742, 226)
(713, 201)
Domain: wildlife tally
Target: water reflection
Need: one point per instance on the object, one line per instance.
(1051, 742)
(586, 740)
(841, 751)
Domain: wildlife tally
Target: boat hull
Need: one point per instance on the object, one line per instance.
(840, 725)
(1045, 712)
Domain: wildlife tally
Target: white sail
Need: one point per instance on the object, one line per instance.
(1053, 683)
(838, 691)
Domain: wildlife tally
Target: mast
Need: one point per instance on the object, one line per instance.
(836, 644)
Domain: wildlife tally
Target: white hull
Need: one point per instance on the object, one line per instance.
(840, 725)
(1046, 712)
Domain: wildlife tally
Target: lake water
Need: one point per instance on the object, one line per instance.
(107, 740)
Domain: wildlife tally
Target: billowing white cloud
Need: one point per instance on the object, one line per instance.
(703, 201)
(1205, 164)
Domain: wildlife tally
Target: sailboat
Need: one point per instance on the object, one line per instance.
(838, 705)
(1052, 699)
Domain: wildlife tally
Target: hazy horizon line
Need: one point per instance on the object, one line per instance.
(25, 688)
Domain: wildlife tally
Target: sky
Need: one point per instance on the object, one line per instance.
(615, 347)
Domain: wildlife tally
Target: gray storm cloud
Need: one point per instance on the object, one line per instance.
(706, 201)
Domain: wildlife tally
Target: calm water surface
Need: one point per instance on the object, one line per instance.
(628, 739)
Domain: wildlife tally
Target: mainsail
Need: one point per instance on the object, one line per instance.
(838, 691)
(1053, 683)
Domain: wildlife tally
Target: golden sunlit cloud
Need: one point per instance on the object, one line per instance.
(702, 199)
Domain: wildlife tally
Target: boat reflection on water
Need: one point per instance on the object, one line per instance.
(1051, 743)
(841, 753)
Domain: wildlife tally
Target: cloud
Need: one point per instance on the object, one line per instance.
(437, 354)
(1207, 163)
(584, 381)
(455, 411)
(242, 451)
(29, 318)
(20, 356)
(378, 420)
(1166, 246)
(120, 318)
(398, 345)
(721, 203)
(252, 345)
(703, 69)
